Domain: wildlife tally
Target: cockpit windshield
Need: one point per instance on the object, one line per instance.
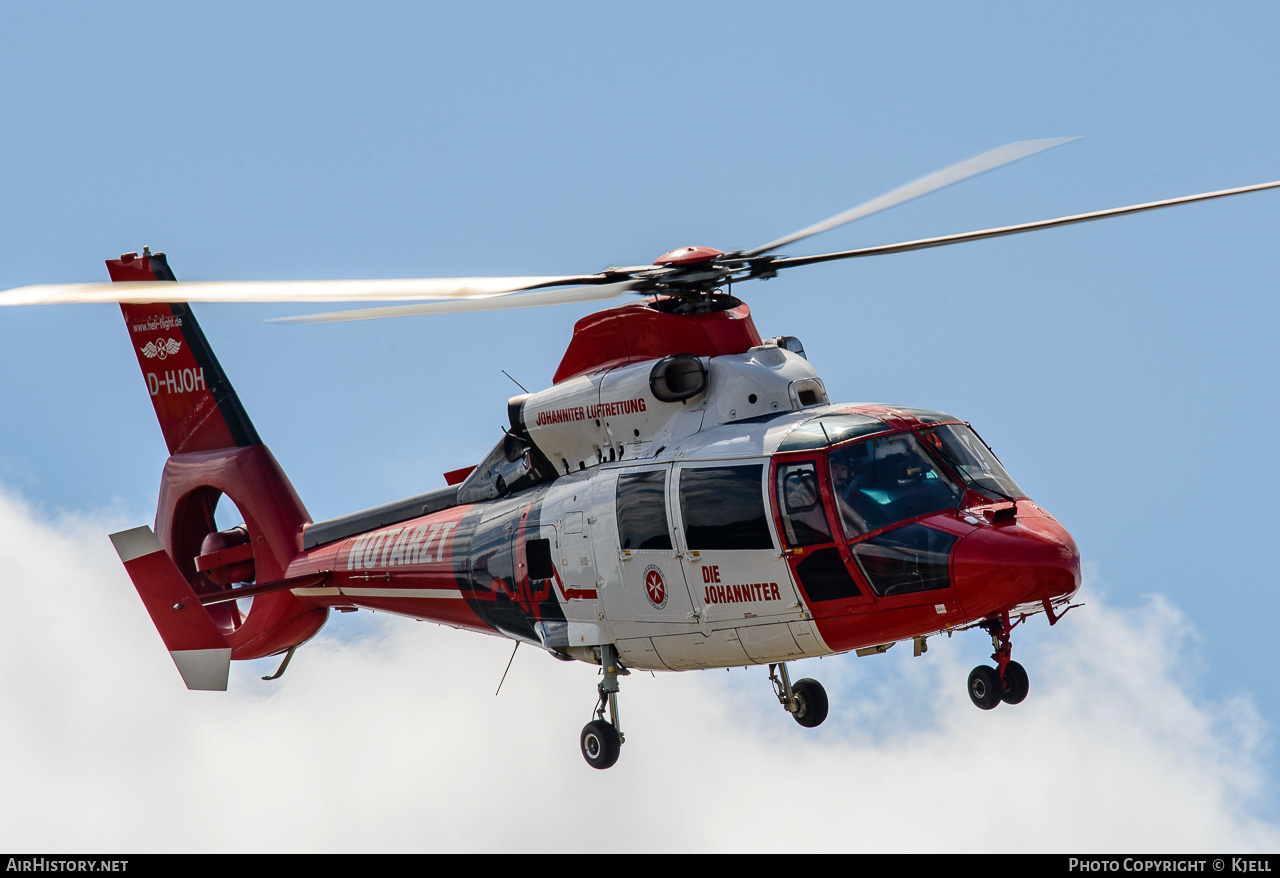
(961, 448)
(887, 479)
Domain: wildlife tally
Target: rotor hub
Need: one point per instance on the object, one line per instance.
(688, 256)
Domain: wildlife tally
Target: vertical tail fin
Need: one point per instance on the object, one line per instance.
(214, 452)
(197, 408)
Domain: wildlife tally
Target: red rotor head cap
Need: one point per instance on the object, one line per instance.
(688, 256)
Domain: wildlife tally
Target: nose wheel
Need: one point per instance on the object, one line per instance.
(984, 687)
(1007, 681)
(1016, 685)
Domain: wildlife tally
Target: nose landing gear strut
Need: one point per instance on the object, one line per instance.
(1007, 681)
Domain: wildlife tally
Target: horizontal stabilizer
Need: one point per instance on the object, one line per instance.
(197, 646)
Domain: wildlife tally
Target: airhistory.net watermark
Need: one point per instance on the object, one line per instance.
(41, 864)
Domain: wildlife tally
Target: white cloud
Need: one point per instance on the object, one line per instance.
(394, 740)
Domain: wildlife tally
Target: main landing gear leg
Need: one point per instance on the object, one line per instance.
(1007, 681)
(601, 739)
(806, 701)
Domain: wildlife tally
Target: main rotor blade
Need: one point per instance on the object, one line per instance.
(497, 302)
(937, 180)
(925, 243)
(387, 290)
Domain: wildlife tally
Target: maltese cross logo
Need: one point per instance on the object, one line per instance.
(655, 589)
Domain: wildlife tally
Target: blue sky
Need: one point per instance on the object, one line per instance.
(1125, 372)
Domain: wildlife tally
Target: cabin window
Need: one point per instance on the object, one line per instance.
(723, 508)
(538, 554)
(642, 511)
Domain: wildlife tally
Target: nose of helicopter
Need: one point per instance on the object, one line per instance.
(1001, 565)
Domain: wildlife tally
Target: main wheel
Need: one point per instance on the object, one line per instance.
(811, 703)
(600, 744)
(985, 688)
(1016, 684)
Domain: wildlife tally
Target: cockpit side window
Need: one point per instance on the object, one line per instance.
(642, 511)
(887, 479)
(907, 560)
(804, 518)
(723, 508)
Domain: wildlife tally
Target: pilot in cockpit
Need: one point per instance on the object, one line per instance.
(844, 480)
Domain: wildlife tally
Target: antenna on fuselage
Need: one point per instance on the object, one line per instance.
(513, 652)
(513, 381)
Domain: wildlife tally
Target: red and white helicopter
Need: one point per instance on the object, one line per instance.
(683, 496)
